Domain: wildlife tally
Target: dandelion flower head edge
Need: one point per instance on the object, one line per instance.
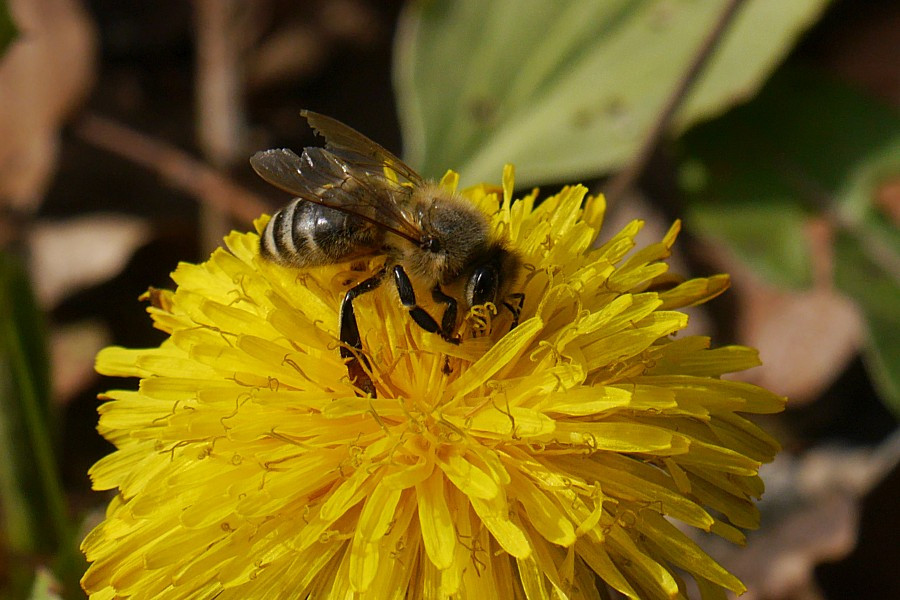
(530, 462)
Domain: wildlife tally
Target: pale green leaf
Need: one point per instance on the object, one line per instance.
(805, 146)
(867, 269)
(568, 89)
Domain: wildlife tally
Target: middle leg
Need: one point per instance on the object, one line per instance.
(351, 343)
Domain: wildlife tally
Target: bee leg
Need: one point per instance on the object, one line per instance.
(448, 321)
(515, 309)
(408, 299)
(351, 344)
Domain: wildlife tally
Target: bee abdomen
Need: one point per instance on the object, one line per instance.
(279, 242)
(306, 234)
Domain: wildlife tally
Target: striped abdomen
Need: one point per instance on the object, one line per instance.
(306, 234)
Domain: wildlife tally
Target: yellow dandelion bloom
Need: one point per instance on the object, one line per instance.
(534, 462)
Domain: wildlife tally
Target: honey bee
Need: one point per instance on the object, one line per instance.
(354, 200)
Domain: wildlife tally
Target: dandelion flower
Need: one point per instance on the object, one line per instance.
(541, 461)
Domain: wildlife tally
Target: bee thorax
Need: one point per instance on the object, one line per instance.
(457, 231)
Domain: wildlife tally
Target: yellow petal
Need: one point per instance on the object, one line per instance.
(374, 521)
(613, 436)
(435, 521)
(543, 514)
(516, 422)
(694, 291)
(494, 514)
(402, 477)
(500, 355)
(468, 478)
(348, 493)
(682, 551)
(600, 562)
(647, 572)
(450, 181)
(625, 477)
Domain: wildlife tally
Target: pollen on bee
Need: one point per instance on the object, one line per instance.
(479, 318)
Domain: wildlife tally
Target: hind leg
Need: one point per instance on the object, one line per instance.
(351, 344)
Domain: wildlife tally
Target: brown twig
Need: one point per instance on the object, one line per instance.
(218, 28)
(626, 178)
(177, 167)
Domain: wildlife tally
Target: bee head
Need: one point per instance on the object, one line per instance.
(490, 279)
(431, 244)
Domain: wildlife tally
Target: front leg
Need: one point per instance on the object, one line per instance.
(351, 344)
(419, 315)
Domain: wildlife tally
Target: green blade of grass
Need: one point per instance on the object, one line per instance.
(33, 503)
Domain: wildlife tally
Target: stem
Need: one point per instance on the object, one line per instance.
(179, 168)
(218, 29)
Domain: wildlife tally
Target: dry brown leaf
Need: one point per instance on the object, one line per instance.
(298, 50)
(291, 53)
(887, 198)
(805, 338)
(44, 75)
(74, 254)
(865, 51)
(810, 515)
(780, 563)
(72, 351)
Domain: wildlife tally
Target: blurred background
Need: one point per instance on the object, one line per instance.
(771, 128)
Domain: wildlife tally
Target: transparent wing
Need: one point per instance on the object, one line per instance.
(366, 155)
(340, 183)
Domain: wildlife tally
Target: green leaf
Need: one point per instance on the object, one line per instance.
(568, 89)
(867, 268)
(804, 147)
(32, 502)
(765, 234)
(8, 29)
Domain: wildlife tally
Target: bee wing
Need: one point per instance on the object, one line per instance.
(324, 178)
(354, 147)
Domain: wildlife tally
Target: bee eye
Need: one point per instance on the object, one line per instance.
(431, 244)
(482, 285)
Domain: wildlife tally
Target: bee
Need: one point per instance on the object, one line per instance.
(353, 200)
